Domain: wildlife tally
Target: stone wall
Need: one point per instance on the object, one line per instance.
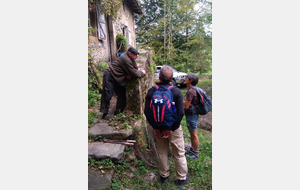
(102, 49)
(99, 53)
(136, 89)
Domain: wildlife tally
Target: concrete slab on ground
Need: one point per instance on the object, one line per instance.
(101, 151)
(106, 131)
(99, 180)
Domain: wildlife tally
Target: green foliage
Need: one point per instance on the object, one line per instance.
(94, 97)
(93, 138)
(102, 66)
(124, 121)
(95, 73)
(206, 83)
(104, 164)
(95, 82)
(111, 7)
(154, 58)
(142, 167)
(91, 116)
(186, 45)
(151, 68)
(120, 38)
(91, 161)
(108, 7)
(116, 184)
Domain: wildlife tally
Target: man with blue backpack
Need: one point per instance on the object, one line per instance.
(195, 102)
(164, 112)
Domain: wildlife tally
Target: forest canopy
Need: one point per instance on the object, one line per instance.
(179, 32)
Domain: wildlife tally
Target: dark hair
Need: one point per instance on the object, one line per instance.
(165, 79)
(193, 77)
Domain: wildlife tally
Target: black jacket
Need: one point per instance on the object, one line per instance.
(177, 97)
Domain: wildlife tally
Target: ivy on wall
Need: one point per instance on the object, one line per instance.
(121, 43)
(108, 7)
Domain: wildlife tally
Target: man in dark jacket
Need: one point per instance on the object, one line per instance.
(173, 136)
(115, 78)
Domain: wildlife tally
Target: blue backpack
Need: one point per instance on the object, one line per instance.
(161, 114)
(205, 102)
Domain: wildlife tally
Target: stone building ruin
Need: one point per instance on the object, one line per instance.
(103, 39)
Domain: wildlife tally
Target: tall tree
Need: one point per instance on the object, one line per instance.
(176, 31)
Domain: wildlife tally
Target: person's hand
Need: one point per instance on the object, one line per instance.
(166, 133)
(157, 133)
(138, 65)
(128, 77)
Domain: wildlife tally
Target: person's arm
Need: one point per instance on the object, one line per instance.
(179, 107)
(186, 103)
(132, 71)
(147, 101)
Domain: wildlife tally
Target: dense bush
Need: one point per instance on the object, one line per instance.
(120, 38)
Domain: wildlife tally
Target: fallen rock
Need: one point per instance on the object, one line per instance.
(101, 151)
(205, 121)
(106, 131)
(131, 175)
(98, 180)
(150, 177)
(138, 125)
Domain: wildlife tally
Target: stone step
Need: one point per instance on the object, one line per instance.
(101, 151)
(106, 131)
(99, 179)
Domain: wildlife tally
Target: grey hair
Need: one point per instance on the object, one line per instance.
(162, 75)
(193, 77)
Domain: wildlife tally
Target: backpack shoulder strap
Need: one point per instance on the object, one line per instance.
(199, 92)
(156, 87)
(171, 87)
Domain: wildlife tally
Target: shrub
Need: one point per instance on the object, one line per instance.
(120, 38)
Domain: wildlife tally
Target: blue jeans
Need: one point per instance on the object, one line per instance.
(191, 121)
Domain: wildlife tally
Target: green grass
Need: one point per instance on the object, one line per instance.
(91, 117)
(204, 83)
(94, 97)
(200, 170)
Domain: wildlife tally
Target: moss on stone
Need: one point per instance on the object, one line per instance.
(133, 96)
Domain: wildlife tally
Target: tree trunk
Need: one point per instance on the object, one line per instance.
(164, 31)
(187, 39)
(170, 34)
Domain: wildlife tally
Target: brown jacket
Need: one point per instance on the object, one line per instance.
(123, 66)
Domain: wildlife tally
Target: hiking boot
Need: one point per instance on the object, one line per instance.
(191, 149)
(103, 116)
(107, 116)
(163, 180)
(193, 156)
(116, 112)
(181, 183)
